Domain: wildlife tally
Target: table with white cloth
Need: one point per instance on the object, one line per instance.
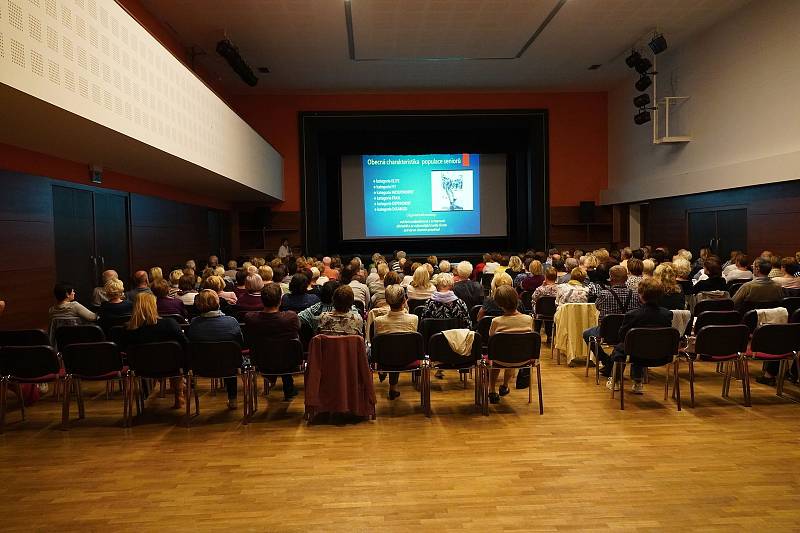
(571, 320)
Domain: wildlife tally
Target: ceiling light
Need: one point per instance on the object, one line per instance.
(643, 65)
(643, 100)
(632, 59)
(643, 83)
(658, 44)
(642, 117)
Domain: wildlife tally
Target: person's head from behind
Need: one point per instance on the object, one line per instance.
(499, 280)
(763, 267)
(550, 276)
(206, 300)
(253, 283)
(444, 282)
(444, 265)
(535, 268)
(271, 294)
(278, 272)
(232, 265)
(395, 297)
(786, 264)
(712, 267)
(391, 278)
(648, 266)
(187, 283)
(638, 254)
(577, 274)
(145, 311)
(156, 273)
(343, 299)
(175, 277)
(422, 277)
(590, 262)
(682, 267)
(346, 275)
(506, 298)
(635, 266)
(160, 288)
(140, 279)
(382, 269)
(109, 274)
(213, 261)
(464, 269)
(618, 275)
(650, 290)
(400, 254)
(241, 276)
(114, 289)
(570, 264)
(327, 290)
(515, 263)
(64, 292)
(214, 283)
(558, 264)
(298, 284)
(743, 262)
(665, 274)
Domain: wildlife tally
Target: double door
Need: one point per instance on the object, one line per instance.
(722, 230)
(91, 235)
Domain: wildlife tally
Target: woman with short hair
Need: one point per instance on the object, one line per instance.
(530, 280)
(116, 305)
(511, 321)
(515, 267)
(445, 304)
(187, 285)
(343, 320)
(251, 299)
(298, 297)
(420, 287)
(573, 291)
(165, 304)
(174, 282)
(66, 306)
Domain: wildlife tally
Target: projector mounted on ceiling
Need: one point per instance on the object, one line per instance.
(230, 52)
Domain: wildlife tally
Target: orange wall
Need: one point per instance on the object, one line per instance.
(578, 133)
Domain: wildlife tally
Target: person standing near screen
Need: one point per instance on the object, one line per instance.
(284, 249)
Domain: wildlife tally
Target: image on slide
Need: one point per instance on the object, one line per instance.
(451, 190)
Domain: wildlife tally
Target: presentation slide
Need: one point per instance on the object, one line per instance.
(421, 195)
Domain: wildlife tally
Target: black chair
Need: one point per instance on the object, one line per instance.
(791, 303)
(486, 282)
(608, 336)
(107, 322)
(442, 357)
(750, 318)
(24, 337)
(156, 360)
(191, 311)
(218, 360)
(358, 304)
(649, 347)
(734, 285)
(26, 365)
(514, 350)
(395, 353)
(473, 315)
(719, 344)
(306, 334)
(713, 304)
(525, 298)
(716, 318)
(67, 335)
(746, 307)
(770, 343)
(413, 304)
(272, 358)
(179, 319)
(795, 318)
(545, 311)
(483, 331)
(92, 361)
(431, 326)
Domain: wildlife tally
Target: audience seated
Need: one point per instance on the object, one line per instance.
(187, 286)
(397, 320)
(616, 298)
(515, 267)
(115, 305)
(343, 319)
(66, 307)
(351, 276)
(421, 287)
(374, 281)
(469, 291)
(164, 303)
(98, 294)
(174, 283)
(310, 316)
(445, 304)
(298, 298)
(532, 279)
(635, 268)
(141, 283)
(713, 280)
(252, 300)
(490, 306)
(762, 289)
(574, 290)
(510, 321)
(790, 269)
(379, 295)
(740, 269)
(673, 297)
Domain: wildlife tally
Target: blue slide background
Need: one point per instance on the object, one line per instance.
(413, 173)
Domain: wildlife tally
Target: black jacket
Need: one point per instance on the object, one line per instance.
(647, 316)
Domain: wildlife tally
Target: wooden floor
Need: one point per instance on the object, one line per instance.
(583, 465)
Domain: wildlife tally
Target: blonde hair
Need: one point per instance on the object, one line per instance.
(422, 278)
(114, 288)
(444, 266)
(515, 263)
(215, 283)
(144, 311)
(219, 271)
(206, 300)
(648, 266)
(682, 267)
(500, 279)
(665, 274)
(464, 269)
(266, 273)
(382, 269)
(601, 254)
(577, 274)
(535, 268)
(590, 261)
(444, 279)
(155, 273)
(253, 283)
(175, 276)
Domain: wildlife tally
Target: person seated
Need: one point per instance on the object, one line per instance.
(421, 287)
(408, 272)
(548, 288)
(762, 289)
(212, 325)
(532, 279)
(776, 266)
(115, 306)
(397, 320)
(351, 275)
(470, 292)
(270, 323)
(165, 304)
(789, 279)
(511, 321)
(227, 298)
(187, 285)
(141, 283)
(490, 307)
(491, 264)
(742, 268)
(298, 298)
(310, 315)
(649, 314)
(145, 326)
(252, 300)
(174, 283)
(730, 264)
(673, 298)
(375, 280)
(329, 272)
(567, 266)
(574, 290)
(66, 307)
(98, 294)
(445, 304)
(230, 273)
(713, 280)
(683, 269)
(648, 267)
(379, 295)
(515, 267)
(635, 271)
(343, 320)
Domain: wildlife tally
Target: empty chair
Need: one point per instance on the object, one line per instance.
(108, 322)
(181, 320)
(772, 343)
(719, 344)
(716, 318)
(795, 318)
(24, 365)
(791, 303)
(649, 347)
(156, 360)
(545, 312)
(442, 357)
(713, 304)
(92, 361)
(67, 335)
(514, 350)
(24, 337)
(219, 360)
(608, 336)
(525, 298)
(395, 353)
(273, 358)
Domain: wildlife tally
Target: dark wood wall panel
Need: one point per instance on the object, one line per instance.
(567, 231)
(773, 216)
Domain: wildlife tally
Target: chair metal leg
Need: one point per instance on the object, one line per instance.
(21, 401)
(745, 369)
(530, 385)
(589, 357)
(621, 387)
(666, 384)
(254, 390)
(425, 388)
(188, 394)
(781, 377)
(79, 394)
(539, 386)
(124, 387)
(677, 364)
(691, 381)
(3, 402)
(65, 404)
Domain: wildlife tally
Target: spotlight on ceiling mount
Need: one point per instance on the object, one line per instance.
(642, 117)
(633, 59)
(643, 65)
(230, 52)
(643, 83)
(643, 100)
(658, 44)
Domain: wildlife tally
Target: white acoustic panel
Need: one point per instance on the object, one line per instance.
(89, 57)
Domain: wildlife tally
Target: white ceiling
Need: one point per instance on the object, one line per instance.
(414, 44)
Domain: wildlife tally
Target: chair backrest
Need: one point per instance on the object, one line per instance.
(272, 356)
(360, 306)
(795, 318)
(24, 337)
(91, 359)
(397, 350)
(515, 348)
(215, 359)
(28, 362)
(735, 285)
(483, 331)
(57, 323)
(306, 334)
(116, 335)
(418, 310)
(609, 328)
(414, 303)
(713, 304)
(109, 321)
(66, 335)
(431, 326)
(525, 298)
(157, 359)
(473, 314)
(746, 307)
(791, 303)
(776, 339)
(191, 310)
(439, 351)
(546, 307)
(716, 318)
(750, 319)
(177, 318)
(722, 340)
(652, 346)
(486, 282)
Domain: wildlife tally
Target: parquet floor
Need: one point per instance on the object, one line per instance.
(584, 465)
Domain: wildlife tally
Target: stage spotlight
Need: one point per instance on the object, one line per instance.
(658, 44)
(643, 83)
(643, 100)
(643, 65)
(642, 117)
(632, 59)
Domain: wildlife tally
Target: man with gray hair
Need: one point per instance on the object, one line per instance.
(397, 320)
(396, 264)
(99, 293)
(471, 292)
(327, 271)
(569, 264)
